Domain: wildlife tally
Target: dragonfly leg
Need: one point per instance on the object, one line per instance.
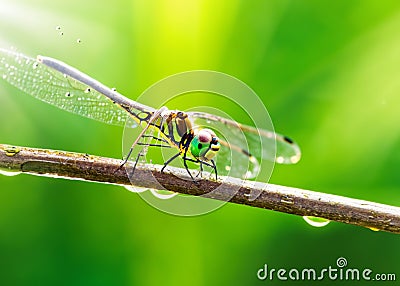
(128, 156)
(152, 118)
(187, 168)
(185, 163)
(153, 145)
(136, 161)
(212, 165)
(155, 138)
(201, 169)
(125, 161)
(140, 153)
(169, 161)
(215, 169)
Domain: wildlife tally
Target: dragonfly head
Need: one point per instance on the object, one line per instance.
(204, 144)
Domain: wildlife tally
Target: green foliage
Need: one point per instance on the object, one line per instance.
(326, 70)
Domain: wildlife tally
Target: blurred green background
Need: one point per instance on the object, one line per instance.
(328, 72)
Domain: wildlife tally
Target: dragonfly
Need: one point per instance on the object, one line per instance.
(67, 88)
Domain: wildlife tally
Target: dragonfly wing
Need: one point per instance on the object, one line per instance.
(55, 88)
(260, 143)
(230, 160)
(287, 151)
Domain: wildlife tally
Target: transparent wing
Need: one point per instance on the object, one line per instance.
(53, 87)
(242, 145)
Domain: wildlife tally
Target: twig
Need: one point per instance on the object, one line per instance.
(274, 197)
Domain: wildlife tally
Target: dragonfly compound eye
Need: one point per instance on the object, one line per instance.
(215, 144)
(204, 136)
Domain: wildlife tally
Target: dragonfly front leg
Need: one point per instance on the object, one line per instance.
(212, 165)
(215, 169)
(201, 169)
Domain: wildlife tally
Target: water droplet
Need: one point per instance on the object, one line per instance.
(253, 160)
(9, 173)
(135, 189)
(316, 221)
(163, 195)
(295, 159)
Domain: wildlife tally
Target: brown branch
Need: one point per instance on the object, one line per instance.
(274, 197)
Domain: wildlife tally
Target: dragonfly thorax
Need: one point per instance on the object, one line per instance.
(204, 145)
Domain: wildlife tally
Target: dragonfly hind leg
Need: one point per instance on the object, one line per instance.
(184, 163)
(142, 152)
